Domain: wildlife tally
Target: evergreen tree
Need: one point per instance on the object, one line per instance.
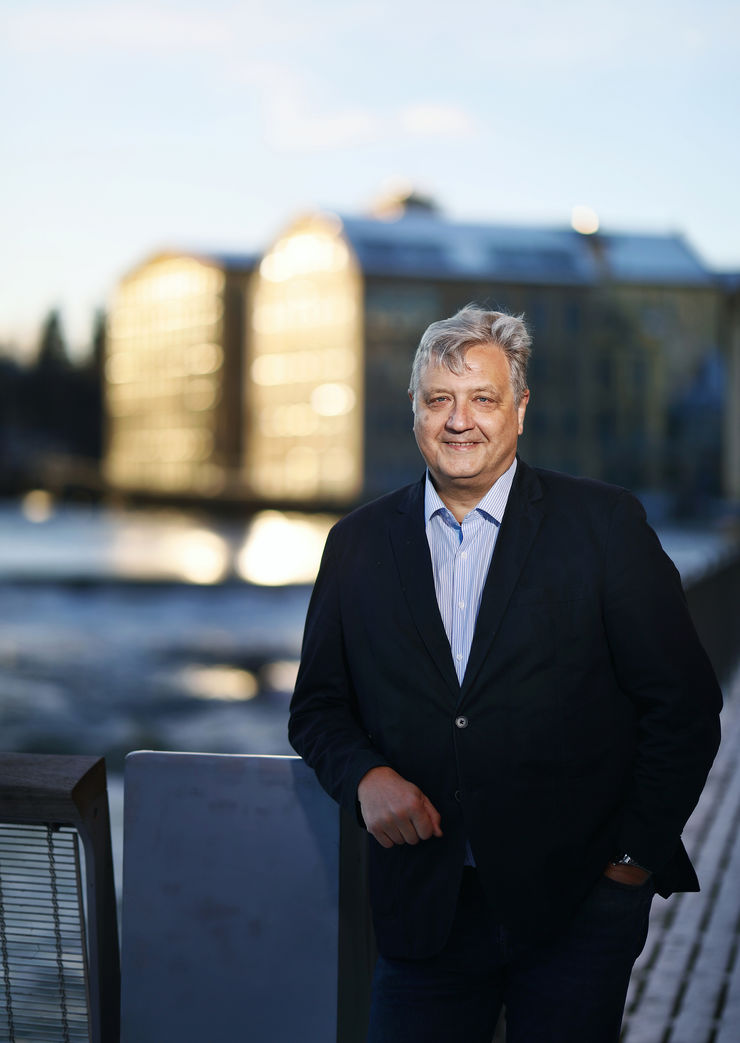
(52, 351)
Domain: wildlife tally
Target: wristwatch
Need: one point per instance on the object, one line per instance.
(628, 860)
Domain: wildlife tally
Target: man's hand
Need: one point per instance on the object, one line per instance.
(394, 810)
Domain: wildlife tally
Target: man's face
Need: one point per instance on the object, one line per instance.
(466, 425)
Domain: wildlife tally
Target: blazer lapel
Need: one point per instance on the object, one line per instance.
(414, 563)
(521, 522)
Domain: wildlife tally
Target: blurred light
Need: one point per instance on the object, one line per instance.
(200, 393)
(332, 399)
(276, 368)
(283, 548)
(301, 469)
(203, 358)
(337, 465)
(584, 220)
(37, 506)
(218, 682)
(192, 555)
(200, 556)
(280, 676)
(270, 369)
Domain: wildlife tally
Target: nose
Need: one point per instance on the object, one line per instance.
(460, 417)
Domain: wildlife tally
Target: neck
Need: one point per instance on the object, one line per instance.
(462, 495)
(459, 499)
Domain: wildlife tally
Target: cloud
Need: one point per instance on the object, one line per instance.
(424, 120)
(125, 28)
(302, 132)
(297, 116)
(294, 127)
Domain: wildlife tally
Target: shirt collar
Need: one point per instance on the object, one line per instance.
(493, 504)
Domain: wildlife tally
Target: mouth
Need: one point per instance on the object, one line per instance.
(461, 445)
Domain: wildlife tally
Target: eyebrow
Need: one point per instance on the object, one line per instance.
(489, 389)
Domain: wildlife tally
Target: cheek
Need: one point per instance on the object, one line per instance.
(424, 428)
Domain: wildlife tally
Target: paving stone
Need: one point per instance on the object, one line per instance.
(686, 984)
(729, 1029)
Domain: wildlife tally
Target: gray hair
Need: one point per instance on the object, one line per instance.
(445, 343)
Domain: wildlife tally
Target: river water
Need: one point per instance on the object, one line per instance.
(125, 630)
(160, 630)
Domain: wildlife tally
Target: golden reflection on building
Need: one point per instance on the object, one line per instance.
(287, 388)
(171, 361)
(304, 389)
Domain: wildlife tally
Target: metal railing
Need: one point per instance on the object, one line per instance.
(59, 960)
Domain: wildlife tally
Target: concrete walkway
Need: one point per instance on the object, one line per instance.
(686, 985)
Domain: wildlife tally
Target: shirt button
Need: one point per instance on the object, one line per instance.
(464, 555)
(461, 722)
(458, 656)
(461, 604)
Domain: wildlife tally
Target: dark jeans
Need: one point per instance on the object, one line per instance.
(570, 990)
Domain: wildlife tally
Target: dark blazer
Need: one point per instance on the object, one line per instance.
(584, 728)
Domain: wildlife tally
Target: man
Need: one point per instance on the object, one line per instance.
(499, 673)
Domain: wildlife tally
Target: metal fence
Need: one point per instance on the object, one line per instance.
(58, 930)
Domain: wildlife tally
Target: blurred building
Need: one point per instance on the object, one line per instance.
(174, 376)
(289, 386)
(306, 402)
(623, 326)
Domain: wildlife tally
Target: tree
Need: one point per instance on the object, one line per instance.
(52, 351)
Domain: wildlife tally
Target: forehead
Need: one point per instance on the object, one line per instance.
(483, 363)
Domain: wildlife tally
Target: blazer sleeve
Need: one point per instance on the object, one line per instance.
(325, 727)
(662, 667)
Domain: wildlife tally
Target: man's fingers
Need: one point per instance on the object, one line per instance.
(435, 817)
(396, 811)
(409, 832)
(395, 831)
(427, 820)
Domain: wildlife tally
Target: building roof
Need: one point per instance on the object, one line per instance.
(426, 245)
(653, 259)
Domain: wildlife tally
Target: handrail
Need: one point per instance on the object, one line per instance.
(56, 790)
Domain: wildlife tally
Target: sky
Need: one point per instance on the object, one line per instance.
(130, 126)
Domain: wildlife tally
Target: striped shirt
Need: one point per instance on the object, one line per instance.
(461, 556)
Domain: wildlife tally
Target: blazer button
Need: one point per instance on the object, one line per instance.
(458, 795)
(461, 722)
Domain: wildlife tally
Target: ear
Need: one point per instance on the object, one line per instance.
(521, 409)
